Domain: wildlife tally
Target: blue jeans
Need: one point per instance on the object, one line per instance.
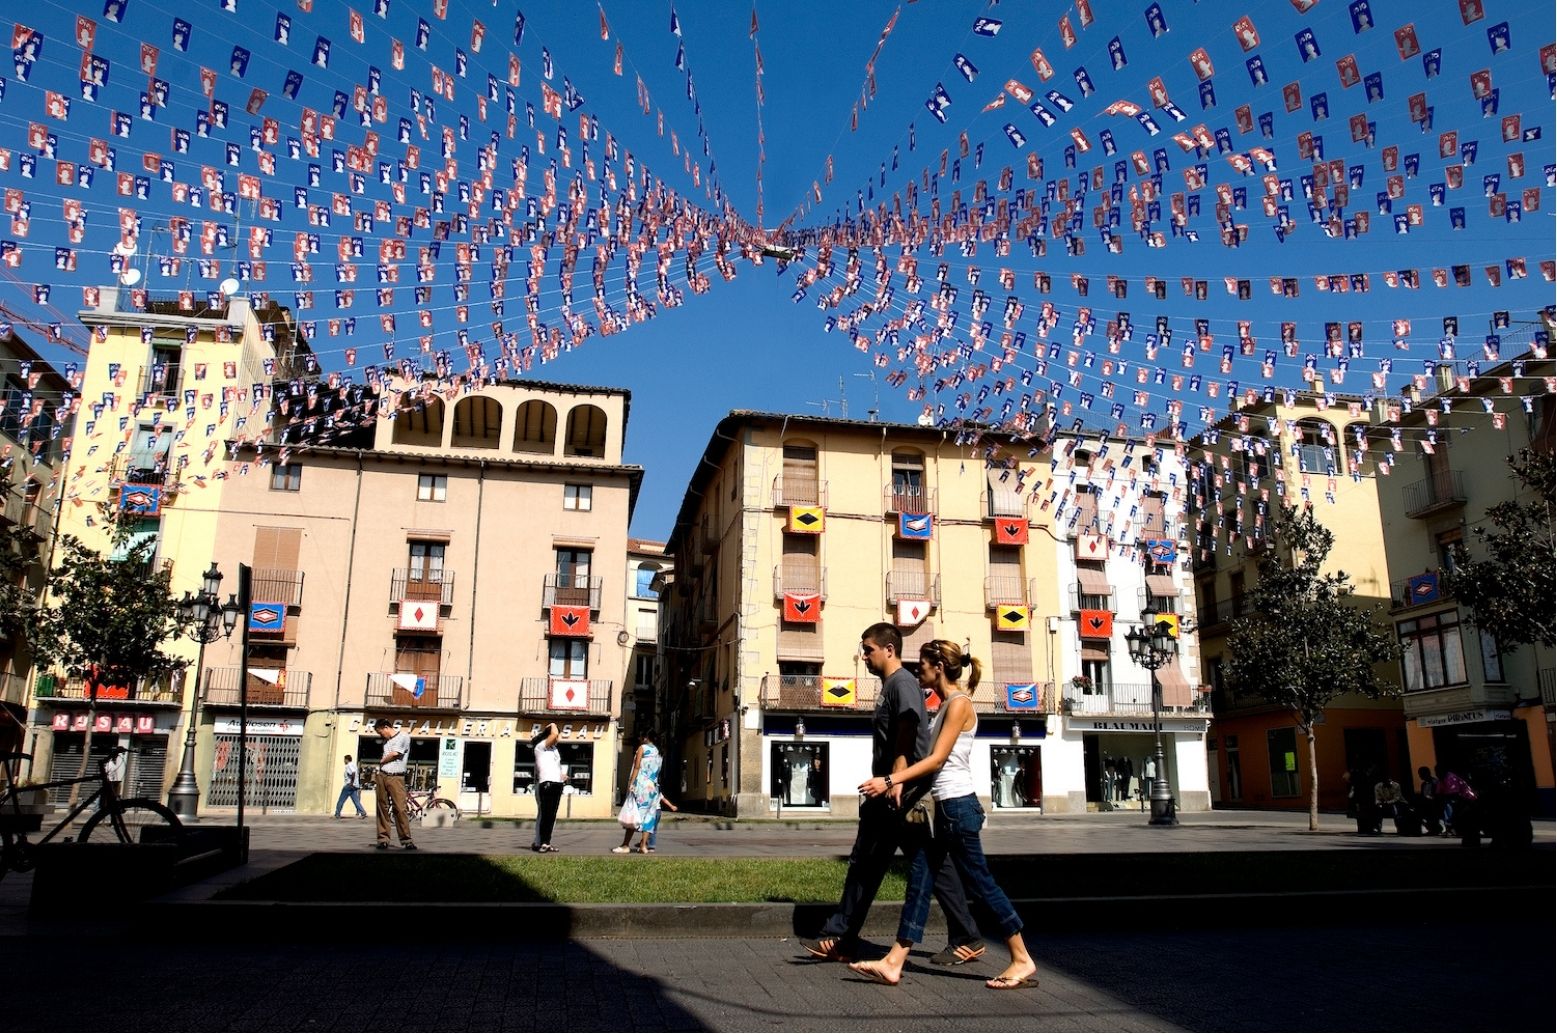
(352, 794)
(957, 824)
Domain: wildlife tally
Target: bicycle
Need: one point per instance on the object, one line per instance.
(127, 820)
(420, 802)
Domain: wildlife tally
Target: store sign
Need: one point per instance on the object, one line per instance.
(104, 721)
(258, 727)
(451, 751)
(1477, 714)
(479, 728)
(1135, 725)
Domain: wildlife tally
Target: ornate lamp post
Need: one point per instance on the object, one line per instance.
(206, 619)
(1151, 646)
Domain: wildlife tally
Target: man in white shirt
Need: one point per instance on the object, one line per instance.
(390, 785)
(351, 790)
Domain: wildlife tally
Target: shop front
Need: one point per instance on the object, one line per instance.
(1118, 759)
(485, 763)
(61, 743)
(1490, 746)
(269, 754)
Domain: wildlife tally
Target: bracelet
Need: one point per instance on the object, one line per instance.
(888, 778)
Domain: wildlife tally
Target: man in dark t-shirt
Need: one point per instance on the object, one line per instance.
(900, 736)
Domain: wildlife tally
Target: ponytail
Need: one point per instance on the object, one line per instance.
(954, 660)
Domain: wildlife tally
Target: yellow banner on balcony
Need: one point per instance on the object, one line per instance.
(1172, 621)
(806, 520)
(838, 693)
(1010, 617)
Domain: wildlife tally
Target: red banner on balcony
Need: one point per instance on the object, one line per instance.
(802, 608)
(1010, 531)
(569, 621)
(1096, 624)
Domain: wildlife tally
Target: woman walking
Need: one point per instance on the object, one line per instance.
(641, 811)
(958, 819)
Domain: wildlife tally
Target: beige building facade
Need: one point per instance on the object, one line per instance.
(799, 532)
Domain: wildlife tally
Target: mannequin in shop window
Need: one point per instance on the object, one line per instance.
(1007, 793)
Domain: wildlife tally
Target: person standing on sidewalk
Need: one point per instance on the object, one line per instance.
(947, 771)
(351, 790)
(390, 785)
(900, 736)
(548, 786)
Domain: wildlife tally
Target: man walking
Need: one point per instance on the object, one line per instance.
(390, 785)
(351, 790)
(900, 736)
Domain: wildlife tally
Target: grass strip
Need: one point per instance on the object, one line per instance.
(556, 878)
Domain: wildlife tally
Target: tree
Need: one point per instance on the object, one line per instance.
(106, 619)
(1307, 639)
(16, 597)
(1509, 591)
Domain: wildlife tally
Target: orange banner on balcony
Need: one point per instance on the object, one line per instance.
(838, 693)
(802, 608)
(1010, 531)
(569, 621)
(1096, 624)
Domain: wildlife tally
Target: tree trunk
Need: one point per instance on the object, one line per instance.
(1313, 781)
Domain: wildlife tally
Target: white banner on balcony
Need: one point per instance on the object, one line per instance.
(569, 694)
(418, 616)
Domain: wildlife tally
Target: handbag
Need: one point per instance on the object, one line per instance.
(629, 816)
(921, 814)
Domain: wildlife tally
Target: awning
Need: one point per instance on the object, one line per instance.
(1094, 581)
(1094, 653)
(1175, 689)
(1161, 585)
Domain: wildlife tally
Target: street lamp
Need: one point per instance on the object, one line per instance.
(206, 619)
(1151, 646)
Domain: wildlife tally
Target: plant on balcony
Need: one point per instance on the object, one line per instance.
(1305, 638)
(1082, 684)
(1509, 590)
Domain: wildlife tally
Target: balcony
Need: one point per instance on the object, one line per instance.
(160, 383)
(545, 695)
(804, 693)
(140, 470)
(910, 499)
(1418, 591)
(418, 583)
(1005, 502)
(789, 490)
(985, 703)
(1000, 588)
(275, 585)
(268, 687)
(1132, 699)
(576, 589)
(1220, 612)
(1441, 490)
(799, 579)
(399, 689)
(75, 688)
(914, 585)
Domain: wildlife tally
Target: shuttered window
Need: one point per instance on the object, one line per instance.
(1011, 660)
(1153, 516)
(275, 564)
(801, 569)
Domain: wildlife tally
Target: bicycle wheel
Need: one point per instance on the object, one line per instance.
(144, 821)
(441, 803)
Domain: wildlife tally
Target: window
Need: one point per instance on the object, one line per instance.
(1283, 762)
(799, 775)
(1316, 454)
(800, 485)
(286, 477)
(1236, 593)
(432, 488)
(1491, 657)
(424, 574)
(573, 581)
(1094, 668)
(908, 493)
(1234, 770)
(577, 497)
(643, 582)
(1434, 652)
(569, 658)
(643, 671)
(1016, 777)
(1445, 543)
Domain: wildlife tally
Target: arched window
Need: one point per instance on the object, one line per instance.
(586, 431)
(419, 421)
(478, 423)
(643, 581)
(535, 430)
(1316, 447)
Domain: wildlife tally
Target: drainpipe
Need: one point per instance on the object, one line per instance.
(351, 554)
(470, 661)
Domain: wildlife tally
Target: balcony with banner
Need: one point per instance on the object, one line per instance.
(1013, 696)
(913, 585)
(423, 584)
(283, 688)
(819, 693)
(999, 589)
(910, 498)
(565, 696)
(149, 692)
(412, 690)
(790, 490)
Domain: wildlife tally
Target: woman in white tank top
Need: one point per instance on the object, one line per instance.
(958, 819)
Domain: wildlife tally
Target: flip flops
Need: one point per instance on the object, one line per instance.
(1010, 983)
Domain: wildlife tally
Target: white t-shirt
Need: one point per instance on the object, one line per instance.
(548, 765)
(351, 774)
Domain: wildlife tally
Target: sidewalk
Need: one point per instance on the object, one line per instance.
(1086, 857)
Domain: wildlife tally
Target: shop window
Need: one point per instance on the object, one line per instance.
(800, 774)
(1016, 777)
(578, 761)
(1282, 744)
(421, 770)
(476, 767)
(1234, 770)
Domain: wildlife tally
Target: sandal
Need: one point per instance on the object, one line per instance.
(1011, 983)
(621, 850)
(548, 849)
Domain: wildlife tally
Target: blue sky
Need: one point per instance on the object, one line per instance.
(745, 344)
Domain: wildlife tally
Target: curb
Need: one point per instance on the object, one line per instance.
(306, 922)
